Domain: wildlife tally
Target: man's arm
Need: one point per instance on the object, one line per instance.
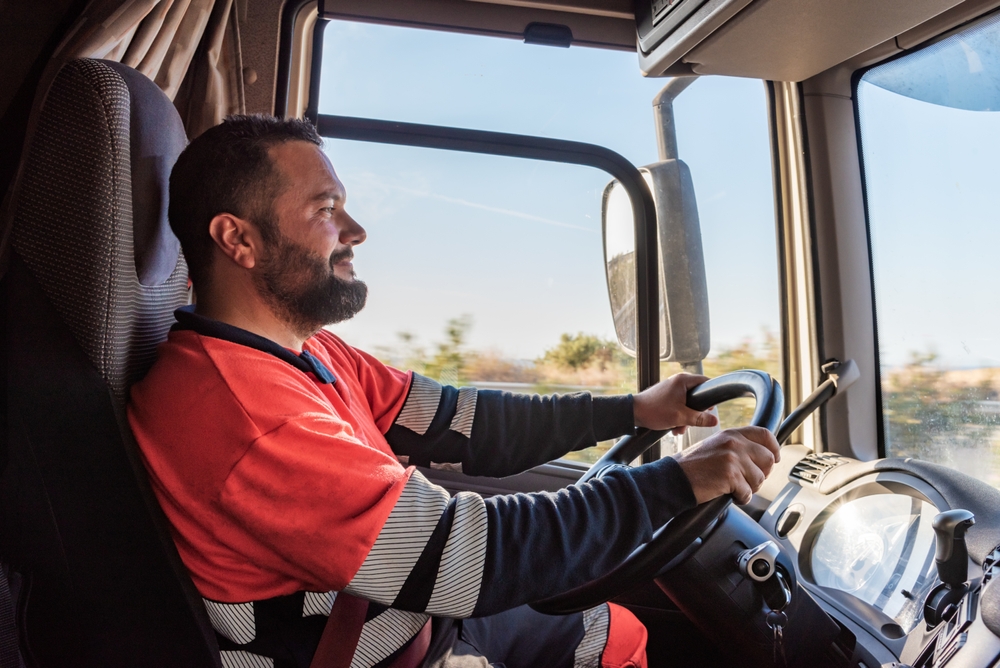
(469, 556)
(495, 433)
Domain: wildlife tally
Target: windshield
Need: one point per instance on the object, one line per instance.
(930, 135)
(489, 271)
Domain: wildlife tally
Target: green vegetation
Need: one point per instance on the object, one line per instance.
(945, 416)
(581, 351)
(576, 362)
(951, 417)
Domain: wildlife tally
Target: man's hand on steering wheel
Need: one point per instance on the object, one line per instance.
(734, 461)
(664, 405)
(729, 464)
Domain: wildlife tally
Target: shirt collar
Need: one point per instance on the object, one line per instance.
(188, 320)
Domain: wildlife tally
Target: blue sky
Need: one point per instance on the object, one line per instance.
(932, 175)
(517, 243)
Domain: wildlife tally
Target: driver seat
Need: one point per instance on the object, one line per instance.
(93, 278)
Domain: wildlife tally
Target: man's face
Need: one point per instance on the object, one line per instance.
(306, 273)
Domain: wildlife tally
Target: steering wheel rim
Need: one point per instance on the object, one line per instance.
(671, 539)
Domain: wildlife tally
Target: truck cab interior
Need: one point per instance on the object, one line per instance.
(858, 208)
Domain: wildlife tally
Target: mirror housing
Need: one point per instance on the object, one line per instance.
(684, 323)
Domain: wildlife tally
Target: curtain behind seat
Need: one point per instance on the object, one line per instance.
(189, 48)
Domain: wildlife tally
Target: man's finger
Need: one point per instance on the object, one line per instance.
(742, 493)
(759, 457)
(754, 476)
(763, 437)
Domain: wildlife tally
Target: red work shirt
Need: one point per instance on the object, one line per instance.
(273, 481)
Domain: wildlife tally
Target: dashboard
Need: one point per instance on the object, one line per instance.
(857, 543)
(880, 549)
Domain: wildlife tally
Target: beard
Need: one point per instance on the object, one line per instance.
(302, 288)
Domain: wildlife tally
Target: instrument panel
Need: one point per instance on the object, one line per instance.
(879, 548)
(864, 547)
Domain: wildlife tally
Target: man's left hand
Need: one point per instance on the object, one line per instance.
(664, 405)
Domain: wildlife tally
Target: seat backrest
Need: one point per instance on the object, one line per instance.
(90, 220)
(94, 277)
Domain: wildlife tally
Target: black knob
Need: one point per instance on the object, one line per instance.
(952, 556)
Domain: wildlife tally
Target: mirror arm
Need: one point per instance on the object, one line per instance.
(693, 367)
(663, 114)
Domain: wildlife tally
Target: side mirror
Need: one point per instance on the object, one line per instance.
(684, 324)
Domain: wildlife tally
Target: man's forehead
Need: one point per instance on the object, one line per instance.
(306, 166)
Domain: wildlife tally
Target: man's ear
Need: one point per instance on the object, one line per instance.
(237, 238)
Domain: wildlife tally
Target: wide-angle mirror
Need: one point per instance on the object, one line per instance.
(683, 288)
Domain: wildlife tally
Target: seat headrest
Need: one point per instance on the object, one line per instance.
(156, 138)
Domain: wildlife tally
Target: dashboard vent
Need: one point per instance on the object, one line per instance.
(812, 468)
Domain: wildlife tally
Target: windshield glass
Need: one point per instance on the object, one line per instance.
(489, 271)
(930, 134)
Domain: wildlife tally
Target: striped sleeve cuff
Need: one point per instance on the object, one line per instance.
(428, 537)
(421, 404)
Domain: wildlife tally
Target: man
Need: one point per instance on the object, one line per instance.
(274, 448)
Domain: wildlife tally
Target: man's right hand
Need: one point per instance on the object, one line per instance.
(734, 461)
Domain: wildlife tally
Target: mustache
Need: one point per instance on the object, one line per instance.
(341, 255)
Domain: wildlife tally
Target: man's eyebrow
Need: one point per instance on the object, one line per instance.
(335, 195)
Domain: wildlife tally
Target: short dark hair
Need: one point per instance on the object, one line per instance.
(227, 169)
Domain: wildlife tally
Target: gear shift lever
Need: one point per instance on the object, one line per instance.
(952, 559)
(952, 556)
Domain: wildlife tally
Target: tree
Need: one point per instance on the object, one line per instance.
(449, 361)
(579, 351)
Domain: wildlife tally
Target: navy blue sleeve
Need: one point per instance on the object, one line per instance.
(482, 556)
(546, 544)
(492, 433)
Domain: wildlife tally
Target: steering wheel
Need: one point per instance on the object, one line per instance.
(671, 539)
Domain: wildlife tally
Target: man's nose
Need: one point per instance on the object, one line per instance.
(351, 232)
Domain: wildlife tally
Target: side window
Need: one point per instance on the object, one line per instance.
(489, 271)
(930, 137)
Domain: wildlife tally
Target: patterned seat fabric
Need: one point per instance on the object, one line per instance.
(81, 220)
(93, 280)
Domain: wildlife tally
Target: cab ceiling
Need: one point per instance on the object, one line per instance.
(792, 40)
(778, 40)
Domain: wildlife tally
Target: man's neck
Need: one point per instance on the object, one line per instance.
(249, 312)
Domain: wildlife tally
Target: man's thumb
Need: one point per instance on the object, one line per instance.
(704, 419)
